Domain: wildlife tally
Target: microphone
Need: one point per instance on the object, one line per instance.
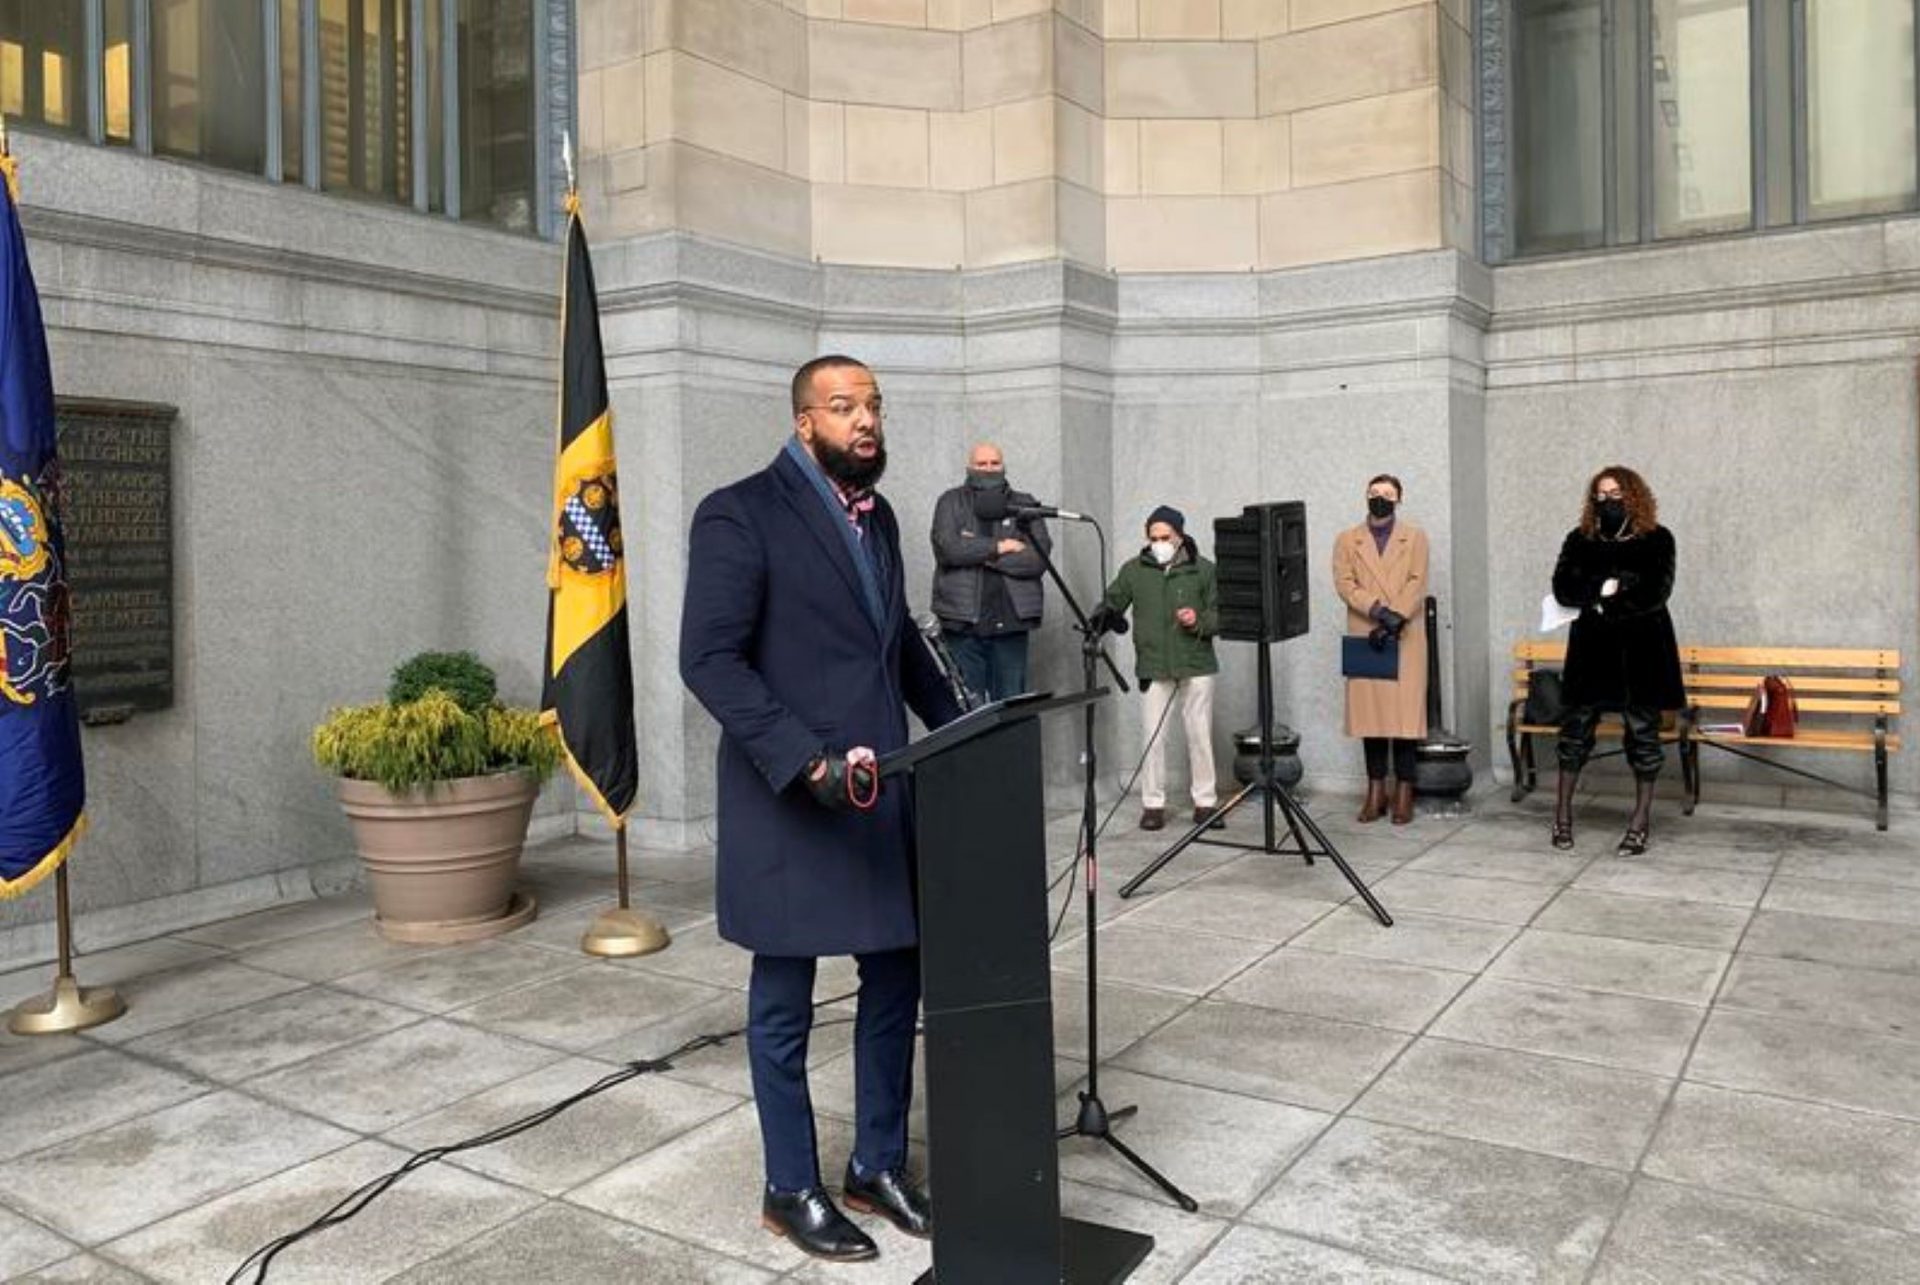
(929, 626)
(1028, 511)
(1105, 620)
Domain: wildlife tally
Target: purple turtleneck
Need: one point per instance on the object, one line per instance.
(1382, 532)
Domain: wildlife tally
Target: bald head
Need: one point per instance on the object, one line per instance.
(986, 458)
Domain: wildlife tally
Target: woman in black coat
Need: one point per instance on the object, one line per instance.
(1617, 568)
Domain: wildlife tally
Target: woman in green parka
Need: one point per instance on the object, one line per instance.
(1170, 589)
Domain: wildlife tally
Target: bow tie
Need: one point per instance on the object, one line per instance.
(859, 504)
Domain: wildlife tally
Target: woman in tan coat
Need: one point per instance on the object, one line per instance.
(1380, 570)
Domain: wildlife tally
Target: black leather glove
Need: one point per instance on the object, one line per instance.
(1378, 638)
(1392, 621)
(833, 784)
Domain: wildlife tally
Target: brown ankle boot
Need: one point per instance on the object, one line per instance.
(1375, 805)
(1402, 802)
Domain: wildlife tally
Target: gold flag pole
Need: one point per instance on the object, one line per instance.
(69, 1006)
(623, 932)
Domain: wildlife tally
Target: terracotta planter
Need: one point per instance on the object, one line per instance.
(442, 860)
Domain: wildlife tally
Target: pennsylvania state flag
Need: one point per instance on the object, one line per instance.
(587, 680)
(42, 786)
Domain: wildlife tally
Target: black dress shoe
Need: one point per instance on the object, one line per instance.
(810, 1220)
(893, 1196)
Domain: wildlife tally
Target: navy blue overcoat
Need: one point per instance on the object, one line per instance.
(779, 642)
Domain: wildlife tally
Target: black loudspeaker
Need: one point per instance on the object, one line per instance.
(1261, 560)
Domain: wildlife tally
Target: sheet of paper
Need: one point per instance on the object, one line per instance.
(1553, 615)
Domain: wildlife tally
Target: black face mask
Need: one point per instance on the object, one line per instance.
(990, 506)
(1380, 506)
(1612, 515)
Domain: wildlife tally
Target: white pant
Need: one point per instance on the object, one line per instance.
(1196, 712)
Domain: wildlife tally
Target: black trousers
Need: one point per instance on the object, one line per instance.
(1403, 761)
(1645, 755)
(779, 1020)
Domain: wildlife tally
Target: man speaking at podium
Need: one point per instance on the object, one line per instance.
(795, 636)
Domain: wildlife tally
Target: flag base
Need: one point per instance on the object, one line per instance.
(67, 1007)
(622, 934)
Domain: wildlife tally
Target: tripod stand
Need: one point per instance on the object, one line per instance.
(1094, 1119)
(1274, 798)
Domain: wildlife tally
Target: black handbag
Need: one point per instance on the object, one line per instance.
(1359, 658)
(1546, 699)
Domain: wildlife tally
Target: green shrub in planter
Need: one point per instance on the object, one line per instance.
(457, 673)
(435, 734)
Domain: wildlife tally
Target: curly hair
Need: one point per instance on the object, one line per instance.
(1643, 513)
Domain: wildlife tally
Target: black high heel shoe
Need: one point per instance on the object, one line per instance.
(1632, 844)
(1563, 833)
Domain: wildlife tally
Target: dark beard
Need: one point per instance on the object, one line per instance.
(848, 469)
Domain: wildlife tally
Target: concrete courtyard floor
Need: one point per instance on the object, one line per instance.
(1703, 1065)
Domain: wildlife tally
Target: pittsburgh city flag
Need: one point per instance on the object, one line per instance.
(587, 690)
(42, 787)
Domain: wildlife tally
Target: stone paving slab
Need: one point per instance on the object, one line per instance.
(1556, 1107)
(1168, 959)
(1850, 942)
(26, 1245)
(704, 1187)
(1810, 1062)
(181, 995)
(1248, 1254)
(1463, 945)
(1223, 1149)
(1875, 902)
(1670, 1233)
(1284, 1057)
(1621, 1031)
(144, 1169)
(321, 956)
(1347, 988)
(1498, 901)
(247, 1042)
(60, 1100)
(560, 1243)
(1656, 919)
(1466, 1210)
(587, 1007)
(1845, 1163)
(461, 975)
(1228, 912)
(400, 1076)
(580, 1144)
(82, 1269)
(429, 1213)
(1884, 1003)
(1652, 970)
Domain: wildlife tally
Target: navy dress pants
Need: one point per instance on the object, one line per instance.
(779, 1020)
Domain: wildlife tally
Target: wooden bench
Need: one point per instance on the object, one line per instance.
(1847, 699)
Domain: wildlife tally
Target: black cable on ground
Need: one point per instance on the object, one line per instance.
(356, 1201)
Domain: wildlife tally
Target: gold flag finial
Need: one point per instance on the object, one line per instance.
(566, 159)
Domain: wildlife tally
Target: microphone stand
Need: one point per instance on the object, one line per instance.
(1094, 1119)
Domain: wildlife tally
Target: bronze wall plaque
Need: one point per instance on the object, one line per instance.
(116, 459)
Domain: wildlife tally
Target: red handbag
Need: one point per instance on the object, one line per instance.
(1772, 712)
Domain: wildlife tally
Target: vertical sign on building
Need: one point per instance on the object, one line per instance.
(118, 462)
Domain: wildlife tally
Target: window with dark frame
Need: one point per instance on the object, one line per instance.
(429, 103)
(1634, 121)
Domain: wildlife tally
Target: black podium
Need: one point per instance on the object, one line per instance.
(993, 1162)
